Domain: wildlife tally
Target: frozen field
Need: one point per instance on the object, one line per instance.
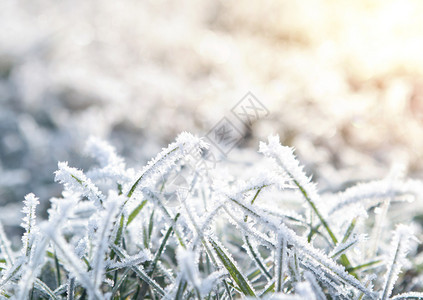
(105, 85)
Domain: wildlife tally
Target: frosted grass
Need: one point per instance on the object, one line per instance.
(222, 240)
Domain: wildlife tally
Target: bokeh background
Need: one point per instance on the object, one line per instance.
(342, 80)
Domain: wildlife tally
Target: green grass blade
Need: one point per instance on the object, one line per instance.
(135, 185)
(250, 247)
(363, 266)
(236, 275)
(120, 281)
(151, 225)
(141, 273)
(159, 253)
(257, 258)
(56, 262)
(181, 288)
(162, 245)
(350, 229)
(280, 263)
(269, 289)
(135, 212)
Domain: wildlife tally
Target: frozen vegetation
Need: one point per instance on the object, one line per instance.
(120, 233)
(343, 84)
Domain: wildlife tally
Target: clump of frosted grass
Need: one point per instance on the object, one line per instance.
(114, 235)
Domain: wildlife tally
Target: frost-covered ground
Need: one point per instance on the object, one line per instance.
(342, 82)
(118, 233)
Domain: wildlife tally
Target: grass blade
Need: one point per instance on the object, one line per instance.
(236, 275)
(135, 212)
(141, 273)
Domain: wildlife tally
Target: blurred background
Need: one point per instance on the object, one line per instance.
(342, 81)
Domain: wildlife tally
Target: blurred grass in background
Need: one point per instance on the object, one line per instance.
(343, 81)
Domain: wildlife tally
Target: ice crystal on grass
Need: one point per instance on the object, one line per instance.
(376, 191)
(5, 248)
(29, 224)
(226, 237)
(111, 166)
(101, 241)
(399, 248)
(285, 158)
(287, 163)
(184, 145)
(75, 180)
